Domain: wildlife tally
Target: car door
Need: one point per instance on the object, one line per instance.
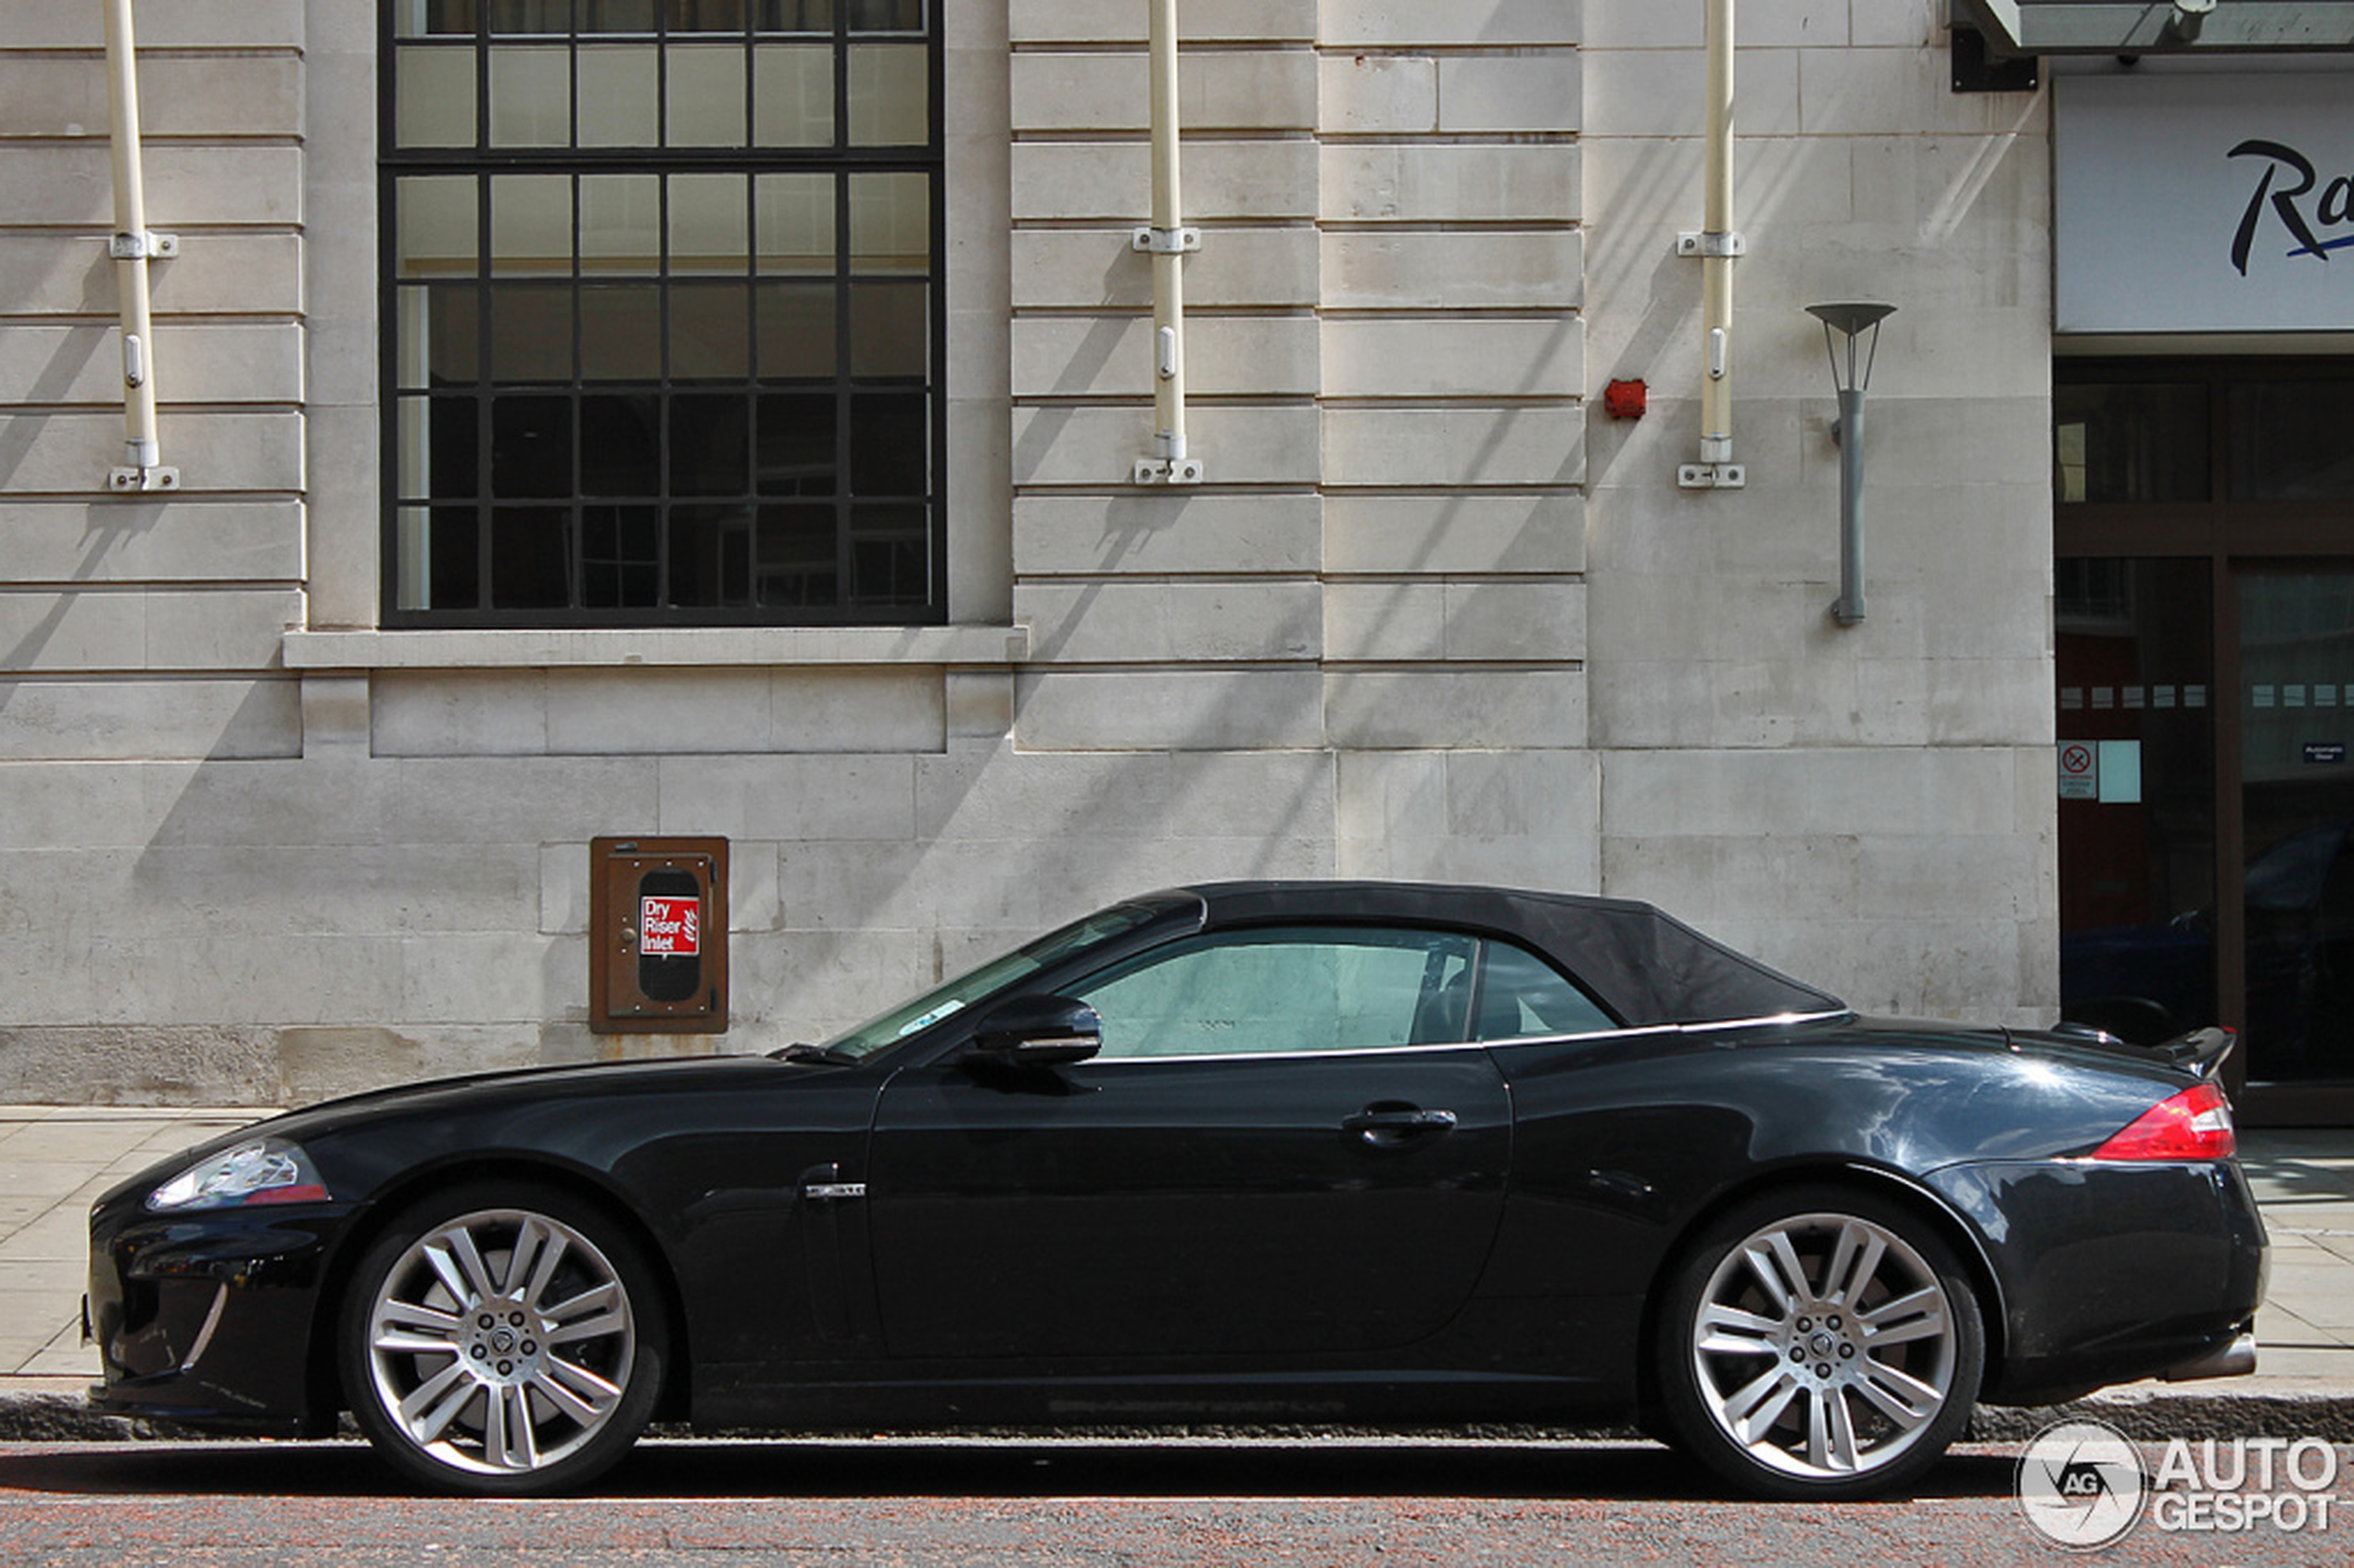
(1285, 1147)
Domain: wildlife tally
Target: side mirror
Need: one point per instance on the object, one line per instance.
(1040, 1032)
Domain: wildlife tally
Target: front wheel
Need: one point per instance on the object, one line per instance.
(1819, 1342)
(502, 1340)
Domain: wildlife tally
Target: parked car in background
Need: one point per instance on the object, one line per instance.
(2149, 983)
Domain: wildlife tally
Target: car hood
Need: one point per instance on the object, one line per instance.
(471, 1098)
(594, 1079)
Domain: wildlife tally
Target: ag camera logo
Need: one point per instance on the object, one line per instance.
(2081, 1484)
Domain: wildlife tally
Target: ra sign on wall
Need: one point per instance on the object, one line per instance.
(2203, 203)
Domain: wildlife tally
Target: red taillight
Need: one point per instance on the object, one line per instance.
(2195, 1124)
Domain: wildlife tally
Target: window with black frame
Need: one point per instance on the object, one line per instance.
(662, 312)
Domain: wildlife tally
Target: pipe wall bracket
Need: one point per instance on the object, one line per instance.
(1709, 246)
(129, 481)
(1166, 471)
(148, 246)
(1165, 242)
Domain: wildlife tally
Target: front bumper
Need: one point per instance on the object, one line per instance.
(2114, 1271)
(211, 1318)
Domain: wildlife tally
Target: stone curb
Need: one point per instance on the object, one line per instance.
(2155, 1418)
(2142, 1415)
(68, 1418)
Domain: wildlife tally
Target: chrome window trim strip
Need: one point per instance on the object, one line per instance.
(1768, 1021)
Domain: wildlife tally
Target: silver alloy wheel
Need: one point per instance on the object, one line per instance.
(501, 1342)
(1824, 1346)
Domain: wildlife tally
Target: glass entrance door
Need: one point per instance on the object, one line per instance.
(2297, 794)
(2203, 541)
(2202, 883)
(2138, 925)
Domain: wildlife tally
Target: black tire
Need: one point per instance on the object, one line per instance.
(1819, 1342)
(501, 1339)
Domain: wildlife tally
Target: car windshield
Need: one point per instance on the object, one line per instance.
(955, 995)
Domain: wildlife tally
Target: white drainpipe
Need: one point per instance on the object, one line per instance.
(1168, 242)
(131, 247)
(1716, 245)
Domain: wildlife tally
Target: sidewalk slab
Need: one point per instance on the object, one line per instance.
(55, 1162)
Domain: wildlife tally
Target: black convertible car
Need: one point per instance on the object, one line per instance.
(1321, 1151)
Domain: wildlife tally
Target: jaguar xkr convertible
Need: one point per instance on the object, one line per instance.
(1300, 1152)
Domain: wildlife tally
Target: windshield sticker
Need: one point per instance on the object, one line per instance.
(951, 1006)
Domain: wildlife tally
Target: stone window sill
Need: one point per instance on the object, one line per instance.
(329, 652)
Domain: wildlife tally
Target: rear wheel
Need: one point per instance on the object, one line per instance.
(503, 1339)
(1819, 1342)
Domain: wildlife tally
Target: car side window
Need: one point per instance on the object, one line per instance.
(1264, 992)
(1521, 995)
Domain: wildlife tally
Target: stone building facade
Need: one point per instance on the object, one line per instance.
(273, 825)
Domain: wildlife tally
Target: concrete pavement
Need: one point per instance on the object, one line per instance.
(55, 1160)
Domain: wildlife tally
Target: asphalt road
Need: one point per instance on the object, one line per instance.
(930, 1504)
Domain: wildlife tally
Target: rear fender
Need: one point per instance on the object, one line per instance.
(1932, 1208)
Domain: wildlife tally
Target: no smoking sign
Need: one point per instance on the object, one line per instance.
(2079, 771)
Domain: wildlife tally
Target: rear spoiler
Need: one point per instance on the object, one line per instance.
(2202, 1050)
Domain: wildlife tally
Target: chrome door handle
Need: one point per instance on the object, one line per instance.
(823, 1183)
(1388, 1128)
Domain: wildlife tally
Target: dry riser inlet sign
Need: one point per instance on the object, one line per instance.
(670, 928)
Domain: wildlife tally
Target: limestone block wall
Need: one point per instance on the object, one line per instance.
(133, 628)
(368, 858)
(1431, 615)
(139, 636)
(1385, 367)
(1872, 807)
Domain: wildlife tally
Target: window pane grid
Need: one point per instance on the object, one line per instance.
(580, 287)
(693, 386)
(466, 19)
(542, 77)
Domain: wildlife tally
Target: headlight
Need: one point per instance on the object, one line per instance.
(265, 1171)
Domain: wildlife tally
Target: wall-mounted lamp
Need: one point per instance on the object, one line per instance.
(1855, 329)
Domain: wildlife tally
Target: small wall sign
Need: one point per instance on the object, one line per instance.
(670, 926)
(2079, 771)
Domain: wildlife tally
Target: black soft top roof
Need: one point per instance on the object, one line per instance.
(1643, 964)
